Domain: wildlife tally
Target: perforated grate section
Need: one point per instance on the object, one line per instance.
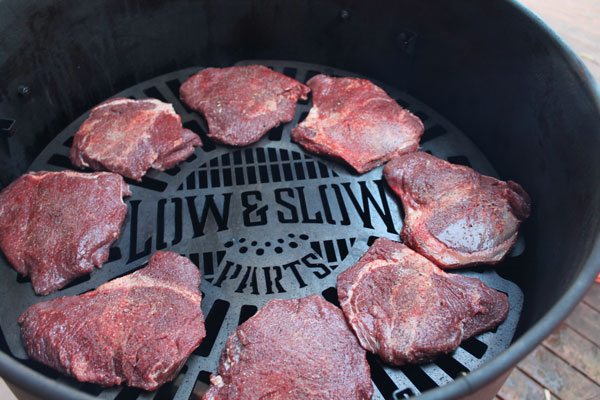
(262, 222)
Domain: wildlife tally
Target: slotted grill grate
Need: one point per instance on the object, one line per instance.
(262, 222)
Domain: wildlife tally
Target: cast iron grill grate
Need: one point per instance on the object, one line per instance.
(262, 222)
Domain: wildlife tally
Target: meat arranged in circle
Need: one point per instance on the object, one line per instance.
(355, 121)
(293, 349)
(404, 308)
(57, 225)
(454, 215)
(241, 104)
(138, 329)
(130, 136)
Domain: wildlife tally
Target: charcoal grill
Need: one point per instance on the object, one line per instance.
(272, 221)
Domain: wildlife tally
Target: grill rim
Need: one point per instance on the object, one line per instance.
(39, 384)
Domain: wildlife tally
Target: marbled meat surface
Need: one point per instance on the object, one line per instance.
(355, 121)
(454, 215)
(138, 329)
(57, 225)
(130, 136)
(293, 349)
(241, 104)
(405, 309)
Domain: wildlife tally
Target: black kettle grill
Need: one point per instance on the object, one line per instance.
(495, 87)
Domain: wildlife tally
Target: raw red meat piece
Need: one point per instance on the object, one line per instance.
(130, 136)
(138, 329)
(57, 225)
(241, 104)
(404, 308)
(454, 215)
(355, 121)
(293, 349)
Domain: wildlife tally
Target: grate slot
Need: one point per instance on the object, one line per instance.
(330, 294)
(251, 175)
(303, 116)
(474, 347)
(419, 378)
(4, 344)
(227, 177)
(146, 395)
(287, 172)
(290, 71)
(213, 322)
(298, 167)
(239, 176)
(329, 251)
(382, 380)
(311, 170)
(451, 366)
(155, 93)
(263, 173)
(173, 171)
(114, 254)
(237, 157)
(208, 263)
(215, 178)
(207, 144)
(174, 85)
(310, 74)
(92, 389)
(201, 386)
(69, 142)
(202, 179)
(128, 393)
(276, 133)
(246, 312)
(260, 155)
(61, 161)
(169, 389)
(148, 183)
(42, 369)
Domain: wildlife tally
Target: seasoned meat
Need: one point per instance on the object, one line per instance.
(454, 215)
(130, 136)
(293, 349)
(137, 330)
(355, 121)
(57, 225)
(407, 310)
(241, 104)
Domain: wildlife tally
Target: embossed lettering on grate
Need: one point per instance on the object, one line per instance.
(262, 222)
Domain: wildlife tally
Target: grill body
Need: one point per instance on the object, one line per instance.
(491, 68)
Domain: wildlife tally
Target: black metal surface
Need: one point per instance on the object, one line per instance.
(502, 76)
(262, 222)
